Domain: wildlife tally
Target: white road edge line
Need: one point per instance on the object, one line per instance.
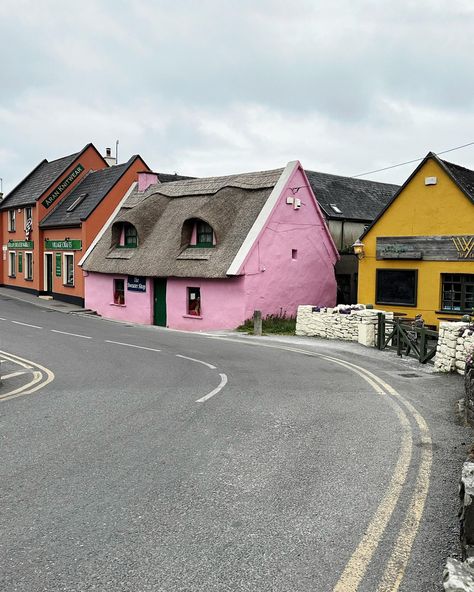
(131, 345)
(215, 391)
(26, 324)
(72, 334)
(13, 374)
(198, 361)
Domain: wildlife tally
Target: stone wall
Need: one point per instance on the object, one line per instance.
(331, 323)
(455, 342)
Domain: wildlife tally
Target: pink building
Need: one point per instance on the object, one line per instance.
(201, 254)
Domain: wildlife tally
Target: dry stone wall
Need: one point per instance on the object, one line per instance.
(455, 342)
(355, 324)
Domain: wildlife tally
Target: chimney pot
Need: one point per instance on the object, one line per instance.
(108, 152)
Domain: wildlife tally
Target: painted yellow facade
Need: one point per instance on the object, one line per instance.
(420, 210)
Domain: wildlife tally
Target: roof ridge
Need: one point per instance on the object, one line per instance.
(351, 178)
(458, 166)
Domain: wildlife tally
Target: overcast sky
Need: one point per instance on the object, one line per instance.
(211, 87)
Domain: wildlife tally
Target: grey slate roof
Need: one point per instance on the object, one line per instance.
(94, 187)
(37, 182)
(464, 177)
(229, 204)
(358, 199)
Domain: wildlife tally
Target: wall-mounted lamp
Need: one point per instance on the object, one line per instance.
(358, 247)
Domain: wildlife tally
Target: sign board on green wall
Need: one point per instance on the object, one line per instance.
(20, 244)
(58, 265)
(57, 191)
(63, 245)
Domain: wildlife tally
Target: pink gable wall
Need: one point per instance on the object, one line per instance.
(274, 282)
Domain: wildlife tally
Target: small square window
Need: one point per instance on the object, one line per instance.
(294, 254)
(119, 291)
(194, 302)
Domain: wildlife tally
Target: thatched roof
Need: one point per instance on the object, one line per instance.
(229, 204)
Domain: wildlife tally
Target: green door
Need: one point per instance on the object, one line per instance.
(159, 307)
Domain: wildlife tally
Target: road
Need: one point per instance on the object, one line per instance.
(158, 460)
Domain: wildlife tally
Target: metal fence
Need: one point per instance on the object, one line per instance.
(406, 338)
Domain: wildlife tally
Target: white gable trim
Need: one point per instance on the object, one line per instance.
(107, 224)
(262, 218)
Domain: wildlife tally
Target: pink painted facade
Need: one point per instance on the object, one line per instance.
(99, 296)
(289, 261)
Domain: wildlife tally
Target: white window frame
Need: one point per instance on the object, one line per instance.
(65, 283)
(10, 266)
(25, 262)
(11, 220)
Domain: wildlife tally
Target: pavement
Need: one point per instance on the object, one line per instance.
(162, 460)
(57, 305)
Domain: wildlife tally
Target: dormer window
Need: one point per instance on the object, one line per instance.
(130, 236)
(124, 235)
(204, 235)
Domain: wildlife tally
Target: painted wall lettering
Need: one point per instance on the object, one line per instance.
(53, 196)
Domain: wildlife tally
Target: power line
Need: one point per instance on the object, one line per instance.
(394, 166)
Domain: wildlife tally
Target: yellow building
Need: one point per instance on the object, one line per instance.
(418, 254)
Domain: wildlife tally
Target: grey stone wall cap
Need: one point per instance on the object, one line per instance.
(458, 576)
(467, 477)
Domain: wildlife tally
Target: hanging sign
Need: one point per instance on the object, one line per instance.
(20, 244)
(136, 283)
(63, 245)
(58, 265)
(57, 191)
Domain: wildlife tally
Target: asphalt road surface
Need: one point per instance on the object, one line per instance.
(148, 459)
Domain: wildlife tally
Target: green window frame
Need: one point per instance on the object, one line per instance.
(204, 235)
(131, 236)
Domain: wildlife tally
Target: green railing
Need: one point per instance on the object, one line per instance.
(406, 339)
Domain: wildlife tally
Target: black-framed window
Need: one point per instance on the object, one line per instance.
(396, 286)
(131, 236)
(204, 235)
(457, 292)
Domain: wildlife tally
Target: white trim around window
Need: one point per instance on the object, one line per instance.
(28, 263)
(68, 273)
(11, 220)
(12, 264)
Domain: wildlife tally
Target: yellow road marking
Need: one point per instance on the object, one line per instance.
(359, 561)
(35, 384)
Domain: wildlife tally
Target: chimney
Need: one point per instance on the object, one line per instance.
(109, 159)
(145, 179)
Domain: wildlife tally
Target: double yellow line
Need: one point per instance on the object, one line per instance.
(41, 376)
(356, 568)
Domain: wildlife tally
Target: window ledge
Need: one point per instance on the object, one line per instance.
(458, 313)
(28, 279)
(12, 276)
(114, 304)
(68, 285)
(188, 316)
